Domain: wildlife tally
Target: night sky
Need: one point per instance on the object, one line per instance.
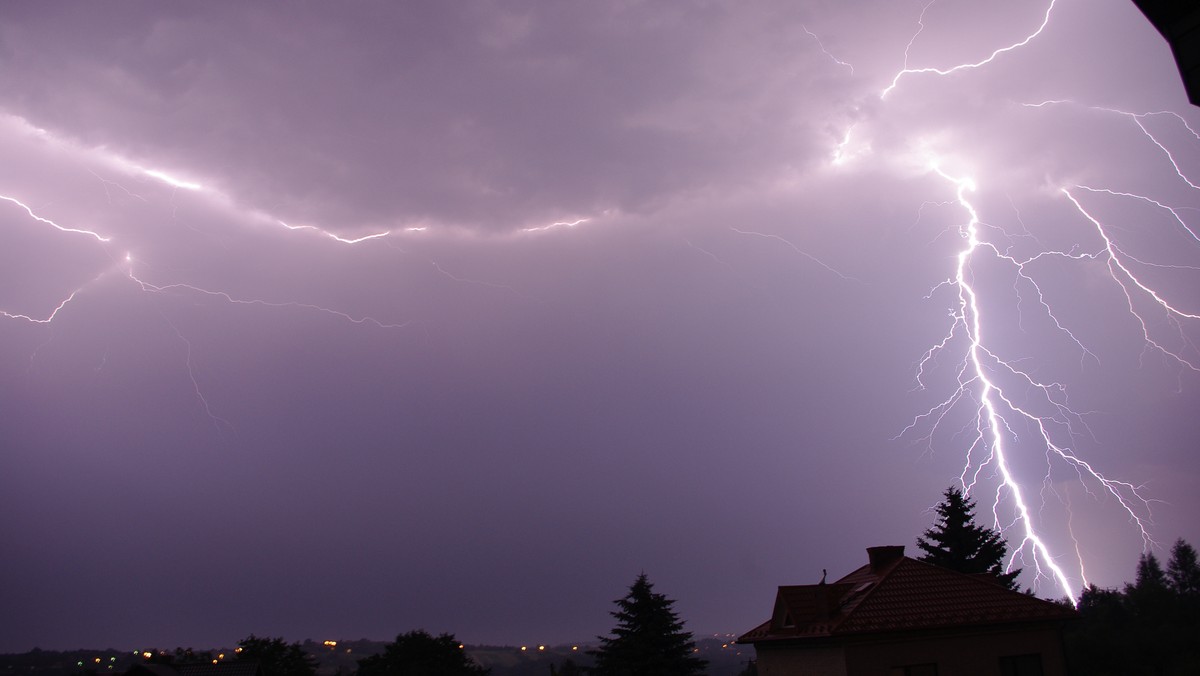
(337, 320)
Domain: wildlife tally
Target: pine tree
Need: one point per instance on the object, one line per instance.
(957, 543)
(648, 640)
(1183, 572)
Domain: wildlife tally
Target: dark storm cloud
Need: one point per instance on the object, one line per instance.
(484, 115)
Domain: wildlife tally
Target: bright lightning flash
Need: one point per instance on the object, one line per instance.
(1011, 409)
(980, 375)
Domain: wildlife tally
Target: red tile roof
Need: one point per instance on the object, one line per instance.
(898, 595)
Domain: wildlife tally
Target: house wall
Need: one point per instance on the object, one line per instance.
(955, 653)
(808, 661)
(963, 653)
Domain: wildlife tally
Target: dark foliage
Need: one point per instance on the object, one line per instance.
(1152, 627)
(1183, 572)
(417, 653)
(648, 640)
(180, 657)
(958, 543)
(567, 668)
(276, 656)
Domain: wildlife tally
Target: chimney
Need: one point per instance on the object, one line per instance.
(882, 557)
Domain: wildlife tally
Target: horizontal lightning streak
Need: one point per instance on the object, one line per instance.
(146, 286)
(47, 319)
(47, 221)
(171, 180)
(558, 224)
(336, 237)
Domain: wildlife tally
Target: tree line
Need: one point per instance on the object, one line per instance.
(1150, 627)
(648, 639)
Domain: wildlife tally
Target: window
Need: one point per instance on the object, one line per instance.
(1021, 665)
(929, 669)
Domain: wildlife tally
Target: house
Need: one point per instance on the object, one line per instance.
(897, 616)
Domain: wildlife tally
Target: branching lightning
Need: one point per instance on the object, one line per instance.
(963, 66)
(126, 263)
(1011, 409)
(981, 375)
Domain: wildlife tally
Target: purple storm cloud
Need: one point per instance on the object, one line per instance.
(341, 320)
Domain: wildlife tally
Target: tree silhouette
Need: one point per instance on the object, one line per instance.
(417, 653)
(648, 640)
(1150, 627)
(1183, 572)
(957, 543)
(277, 657)
(567, 668)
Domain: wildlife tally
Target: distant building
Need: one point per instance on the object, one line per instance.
(897, 616)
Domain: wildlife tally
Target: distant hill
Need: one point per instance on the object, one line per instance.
(340, 658)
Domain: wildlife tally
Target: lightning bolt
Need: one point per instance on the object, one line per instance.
(980, 377)
(46, 221)
(216, 419)
(824, 51)
(1011, 410)
(962, 66)
(840, 155)
(793, 247)
(556, 225)
(338, 238)
(179, 287)
(1117, 262)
